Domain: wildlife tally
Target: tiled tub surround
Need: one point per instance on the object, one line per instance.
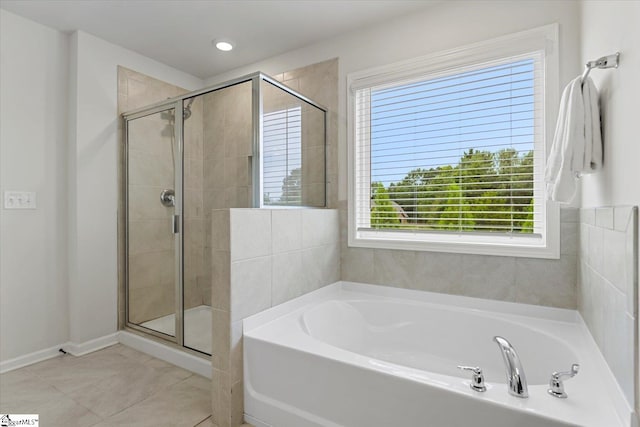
(261, 258)
(549, 282)
(608, 286)
(360, 355)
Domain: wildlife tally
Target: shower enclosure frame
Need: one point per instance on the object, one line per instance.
(177, 105)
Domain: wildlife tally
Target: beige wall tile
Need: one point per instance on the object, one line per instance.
(357, 265)
(250, 287)
(313, 165)
(193, 172)
(150, 169)
(221, 280)
(214, 173)
(150, 302)
(489, 277)
(214, 199)
(287, 277)
(614, 259)
(547, 282)
(596, 248)
(221, 398)
(221, 338)
(220, 230)
(237, 404)
(193, 205)
(394, 268)
(569, 214)
(151, 268)
(319, 227)
(150, 236)
(144, 204)
(250, 233)
(286, 230)
(321, 266)
(235, 360)
(152, 134)
(438, 272)
(569, 238)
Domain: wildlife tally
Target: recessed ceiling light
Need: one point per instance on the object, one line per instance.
(223, 45)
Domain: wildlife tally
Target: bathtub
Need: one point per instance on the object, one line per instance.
(361, 355)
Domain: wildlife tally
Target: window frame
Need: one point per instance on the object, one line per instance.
(542, 39)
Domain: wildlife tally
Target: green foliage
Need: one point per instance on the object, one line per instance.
(383, 213)
(484, 191)
(292, 188)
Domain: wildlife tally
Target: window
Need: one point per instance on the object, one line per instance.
(448, 152)
(282, 145)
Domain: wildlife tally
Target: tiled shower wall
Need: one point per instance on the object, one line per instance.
(607, 285)
(197, 287)
(262, 258)
(227, 149)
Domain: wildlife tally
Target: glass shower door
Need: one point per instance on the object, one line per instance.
(152, 243)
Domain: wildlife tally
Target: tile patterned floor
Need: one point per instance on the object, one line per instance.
(116, 386)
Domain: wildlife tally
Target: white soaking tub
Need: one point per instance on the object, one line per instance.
(364, 356)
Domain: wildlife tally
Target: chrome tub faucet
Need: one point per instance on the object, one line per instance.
(515, 373)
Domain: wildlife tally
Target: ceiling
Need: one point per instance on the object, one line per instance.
(180, 33)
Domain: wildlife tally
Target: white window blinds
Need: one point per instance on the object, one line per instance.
(460, 151)
(282, 150)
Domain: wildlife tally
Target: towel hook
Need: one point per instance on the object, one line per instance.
(609, 61)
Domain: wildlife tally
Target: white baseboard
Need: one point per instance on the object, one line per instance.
(174, 356)
(199, 365)
(91, 345)
(48, 353)
(29, 359)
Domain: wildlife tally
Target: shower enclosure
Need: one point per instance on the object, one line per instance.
(248, 143)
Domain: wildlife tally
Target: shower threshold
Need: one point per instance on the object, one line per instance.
(197, 327)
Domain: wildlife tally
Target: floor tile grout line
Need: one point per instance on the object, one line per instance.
(201, 421)
(154, 394)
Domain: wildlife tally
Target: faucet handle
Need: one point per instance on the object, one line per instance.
(556, 386)
(477, 381)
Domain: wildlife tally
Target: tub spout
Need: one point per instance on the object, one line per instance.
(515, 373)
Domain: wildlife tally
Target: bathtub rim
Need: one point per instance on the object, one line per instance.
(252, 324)
(476, 304)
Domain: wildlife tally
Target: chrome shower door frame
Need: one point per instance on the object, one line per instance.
(177, 107)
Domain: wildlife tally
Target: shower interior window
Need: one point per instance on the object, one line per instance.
(282, 151)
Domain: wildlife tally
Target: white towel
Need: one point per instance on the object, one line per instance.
(577, 144)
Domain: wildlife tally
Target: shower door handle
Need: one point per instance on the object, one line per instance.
(176, 224)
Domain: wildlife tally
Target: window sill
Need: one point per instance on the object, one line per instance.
(527, 247)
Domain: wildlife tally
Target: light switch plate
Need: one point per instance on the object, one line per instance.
(19, 200)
